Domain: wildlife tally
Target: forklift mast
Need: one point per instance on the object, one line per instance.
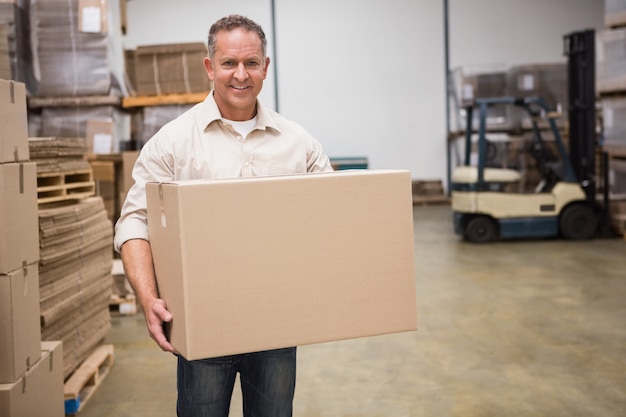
(579, 47)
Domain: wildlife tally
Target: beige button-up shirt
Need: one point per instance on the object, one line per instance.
(200, 145)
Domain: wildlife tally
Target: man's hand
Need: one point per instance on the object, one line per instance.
(139, 269)
(156, 315)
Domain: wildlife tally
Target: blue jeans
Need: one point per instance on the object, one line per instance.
(268, 382)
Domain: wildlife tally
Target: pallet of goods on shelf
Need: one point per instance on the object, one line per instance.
(614, 13)
(75, 55)
(611, 61)
(156, 70)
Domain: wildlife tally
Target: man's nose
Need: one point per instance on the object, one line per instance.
(241, 73)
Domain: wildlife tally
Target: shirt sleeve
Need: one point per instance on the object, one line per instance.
(154, 164)
(317, 160)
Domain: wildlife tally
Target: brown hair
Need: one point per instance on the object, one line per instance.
(232, 22)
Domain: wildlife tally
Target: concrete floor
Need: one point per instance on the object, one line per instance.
(522, 328)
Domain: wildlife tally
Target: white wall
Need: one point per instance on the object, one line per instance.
(367, 77)
(514, 32)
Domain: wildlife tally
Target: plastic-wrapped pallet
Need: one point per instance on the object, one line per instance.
(77, 47)
(546, 80)
(14, 18)
(74, 121)
(154, 117)
(615, 13)
(5, 58)
(611, 60)
(614, 120)
(471, 82)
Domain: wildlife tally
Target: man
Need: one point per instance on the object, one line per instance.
(228, 135)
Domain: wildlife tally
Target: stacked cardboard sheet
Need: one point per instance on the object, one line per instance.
(75, 277)
(77, 47)
(54, 154)
(169, 69)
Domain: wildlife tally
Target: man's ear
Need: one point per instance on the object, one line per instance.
(208, 66)
(267, 65)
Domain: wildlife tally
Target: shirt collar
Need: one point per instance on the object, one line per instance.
(210, 113)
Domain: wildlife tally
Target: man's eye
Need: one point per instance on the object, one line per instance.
(228, 63)
(252, 63)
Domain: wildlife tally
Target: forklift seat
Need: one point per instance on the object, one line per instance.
(469, 175)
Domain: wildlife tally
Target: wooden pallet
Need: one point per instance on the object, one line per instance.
(73, 101)
(618, 221)
(124, 306)
(87, 378)
(143, 101)
(60, 186)
(429, 200)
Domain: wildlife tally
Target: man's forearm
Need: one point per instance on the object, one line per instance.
(139, 269)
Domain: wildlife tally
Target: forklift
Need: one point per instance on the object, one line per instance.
(564, 203)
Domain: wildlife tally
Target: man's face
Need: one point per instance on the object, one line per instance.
(237, 71)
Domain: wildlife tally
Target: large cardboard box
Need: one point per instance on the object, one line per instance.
(268, 262)
(39, 393)
(19, 237)
(13, 122)
(20, 332)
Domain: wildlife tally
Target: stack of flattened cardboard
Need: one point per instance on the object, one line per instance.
(170, 69)
(77, 47)
(54, 154)
(31, 381)
(75, 277)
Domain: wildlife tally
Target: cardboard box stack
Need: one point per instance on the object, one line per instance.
(22, 362)
(75, 257)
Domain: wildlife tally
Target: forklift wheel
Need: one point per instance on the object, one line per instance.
(578, 222)
(481, 229)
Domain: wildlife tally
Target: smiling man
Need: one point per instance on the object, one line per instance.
(230, 134)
